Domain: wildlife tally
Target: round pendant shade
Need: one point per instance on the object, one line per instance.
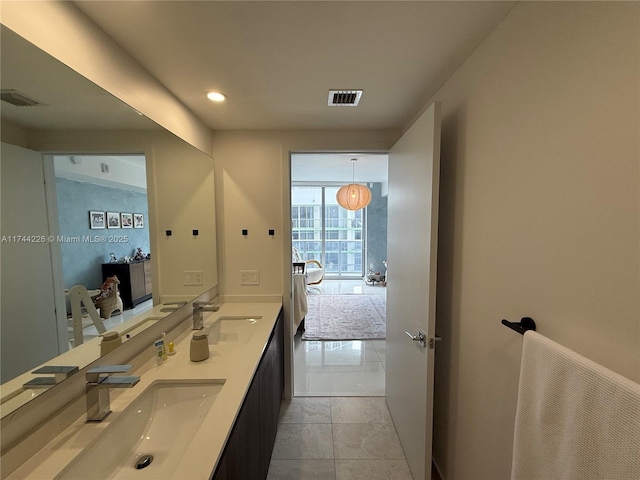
(353, 196)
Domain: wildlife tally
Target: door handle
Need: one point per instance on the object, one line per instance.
(421, 337)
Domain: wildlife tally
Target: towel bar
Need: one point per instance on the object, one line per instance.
(526, 323)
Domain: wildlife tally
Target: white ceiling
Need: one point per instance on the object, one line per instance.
(277, 60)
(337, 167)
(123, 171)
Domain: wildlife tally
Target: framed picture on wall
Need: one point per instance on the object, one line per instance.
(138, 220)
(96, 219)
(127, 220)
(113, 220)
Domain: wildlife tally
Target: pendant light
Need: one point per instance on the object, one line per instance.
(353, 196)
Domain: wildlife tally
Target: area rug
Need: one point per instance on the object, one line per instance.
(345, 317)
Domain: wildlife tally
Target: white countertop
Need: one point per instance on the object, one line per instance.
(236, 363)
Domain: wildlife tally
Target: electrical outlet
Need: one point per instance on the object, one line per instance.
(249, 277)
(193, 277)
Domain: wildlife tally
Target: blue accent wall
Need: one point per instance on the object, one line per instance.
(376, 230)
(82, 261)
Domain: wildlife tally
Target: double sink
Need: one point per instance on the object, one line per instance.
(231, 329)
(150, 436)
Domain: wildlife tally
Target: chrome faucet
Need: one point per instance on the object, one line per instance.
(98, 384)
(172, 306)
(198, 308)
(60, 372)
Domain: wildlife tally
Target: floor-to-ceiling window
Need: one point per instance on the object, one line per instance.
(324, 231)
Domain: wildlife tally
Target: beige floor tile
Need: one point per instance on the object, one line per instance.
(359, 410)
(340, 368)
(306, 410)
(301, 470)
(330, 352)
(331, 380)
(295, 441)
(366, 441)
(372, 470)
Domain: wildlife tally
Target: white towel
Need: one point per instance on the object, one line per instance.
(575, 419)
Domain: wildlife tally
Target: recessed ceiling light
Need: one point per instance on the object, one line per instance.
(216, 96)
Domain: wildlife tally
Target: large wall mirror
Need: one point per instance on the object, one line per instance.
(90, 188)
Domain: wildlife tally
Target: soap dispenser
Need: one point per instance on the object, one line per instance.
(199, 350)
(110, 340)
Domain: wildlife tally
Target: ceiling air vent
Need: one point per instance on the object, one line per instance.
(18, 99)
(344, 98)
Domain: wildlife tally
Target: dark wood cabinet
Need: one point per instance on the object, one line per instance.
(248, 451)
(271, 390)
(242, 455)
(135, 280)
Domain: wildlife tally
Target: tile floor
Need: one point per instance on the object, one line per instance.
(340, 368)
(338, 426)
(337, 438)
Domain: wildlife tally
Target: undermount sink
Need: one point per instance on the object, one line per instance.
(231, 329)
(150, 436)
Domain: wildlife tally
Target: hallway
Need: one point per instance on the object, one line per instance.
(337, 438)
(340, 368)
(338, 427)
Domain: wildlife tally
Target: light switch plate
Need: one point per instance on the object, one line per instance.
(193, 277)
(249, 277)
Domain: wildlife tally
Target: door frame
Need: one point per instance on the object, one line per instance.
(55, 251)
(287, 244)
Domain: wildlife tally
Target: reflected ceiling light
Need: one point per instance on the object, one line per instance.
(216, 96)
(353, 196)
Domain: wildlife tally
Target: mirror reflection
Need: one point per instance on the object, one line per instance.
(105, 251)
(87, 184)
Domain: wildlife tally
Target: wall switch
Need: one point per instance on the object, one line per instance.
(193, 277)
(249, 277)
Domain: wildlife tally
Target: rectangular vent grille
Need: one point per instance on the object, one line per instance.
(344, 98)
(18, 99)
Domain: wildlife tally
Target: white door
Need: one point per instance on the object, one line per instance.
(414, 171)
(30, 329)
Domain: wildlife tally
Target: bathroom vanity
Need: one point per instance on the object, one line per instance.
(232, 438)
(247, 453)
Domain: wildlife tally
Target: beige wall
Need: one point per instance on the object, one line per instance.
(253, 193)
(180, 187)
(539, 215)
